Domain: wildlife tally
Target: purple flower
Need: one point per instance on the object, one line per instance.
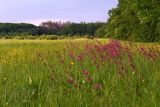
(70, 80)
(85, 72)
(88, 79)
(97, 86)
(71, 54)
(79, 58)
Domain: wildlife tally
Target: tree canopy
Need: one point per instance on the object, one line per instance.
(14, 28)
(137, 20)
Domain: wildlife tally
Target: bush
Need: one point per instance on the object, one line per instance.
(1, 37)
(52, 37)
(62, 37)
(100, 32)
(42, 37)
(7, 37)
(89, 36)
(19, 37)
(32, 37)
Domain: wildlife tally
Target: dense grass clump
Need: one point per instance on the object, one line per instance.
(79, 73)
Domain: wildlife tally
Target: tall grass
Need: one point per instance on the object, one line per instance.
(77, 73)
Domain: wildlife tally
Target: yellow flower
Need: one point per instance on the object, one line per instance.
(5, 78)
(133, 73)
(71, 63)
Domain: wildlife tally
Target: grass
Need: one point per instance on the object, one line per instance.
(79, 73)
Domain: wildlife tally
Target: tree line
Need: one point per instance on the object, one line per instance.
(50, 28)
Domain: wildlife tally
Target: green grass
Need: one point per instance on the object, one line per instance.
(40, 73)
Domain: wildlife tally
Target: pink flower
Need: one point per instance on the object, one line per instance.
(85, 72)
(97, 86)
(70, 80)
(89, 79)
(113, 53)
(79, 58)
(71, 54)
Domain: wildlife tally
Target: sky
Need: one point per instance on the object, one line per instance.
(37, 11)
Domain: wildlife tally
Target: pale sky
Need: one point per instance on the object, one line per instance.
(36, 11)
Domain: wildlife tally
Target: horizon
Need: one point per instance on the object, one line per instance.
(35, 12)
(51, 21)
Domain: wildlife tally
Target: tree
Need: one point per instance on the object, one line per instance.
(135, 20)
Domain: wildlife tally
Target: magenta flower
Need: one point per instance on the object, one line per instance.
(89, 79)
(71, 54)
(79, 58)
(85, 72)
(97, 86)
(70, 81)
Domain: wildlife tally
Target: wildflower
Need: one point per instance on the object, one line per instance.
(113, 48)
(5, 78)
(70, 80)
(72, 63)
(133, 72)
(79, 58)
(85, 72)
(97, 86)
(71, 54)
(89, 79)
(83, 81)
(113, 52)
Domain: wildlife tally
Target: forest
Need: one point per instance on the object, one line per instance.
(49, 28)
(136, 20)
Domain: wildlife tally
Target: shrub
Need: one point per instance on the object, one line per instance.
(8, 37)
(19, 37)
(42, 37)
(32, 37)
(52, 37)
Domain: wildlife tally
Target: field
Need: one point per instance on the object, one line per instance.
(79, 73)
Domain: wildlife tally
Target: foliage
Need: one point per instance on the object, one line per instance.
(136, 20)
(49, 28)
(16, 29)
(81, 29)
(100, 32)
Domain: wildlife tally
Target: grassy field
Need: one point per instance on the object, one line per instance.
(79, 73)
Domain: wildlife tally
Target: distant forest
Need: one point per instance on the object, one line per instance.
(135, 20)
(50, 28)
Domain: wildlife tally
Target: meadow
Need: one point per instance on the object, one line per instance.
(79, 73)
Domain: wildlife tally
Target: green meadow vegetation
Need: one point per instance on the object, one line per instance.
(79, 72)
(66, 64)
